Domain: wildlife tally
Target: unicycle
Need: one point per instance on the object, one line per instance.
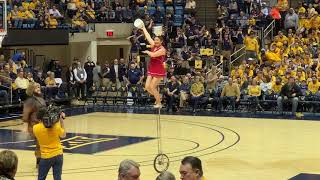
(161, 161)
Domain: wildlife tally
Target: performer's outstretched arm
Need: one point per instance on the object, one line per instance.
(148, 37)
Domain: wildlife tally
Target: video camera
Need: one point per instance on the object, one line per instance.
(49, 115)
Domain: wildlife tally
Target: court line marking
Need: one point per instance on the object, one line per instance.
(86, 170)
(197, 145)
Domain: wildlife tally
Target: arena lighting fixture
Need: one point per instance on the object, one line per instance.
(109, 33)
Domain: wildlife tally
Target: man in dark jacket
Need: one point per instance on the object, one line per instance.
(117, 72)
(289, 92)
(88, 66)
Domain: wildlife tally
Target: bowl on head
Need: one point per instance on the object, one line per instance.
(138, 23)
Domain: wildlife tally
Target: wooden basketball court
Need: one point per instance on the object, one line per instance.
(230, 148)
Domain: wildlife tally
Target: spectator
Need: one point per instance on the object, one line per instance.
(4, 100)
(22, 84)
(30, 77)
(135, 76)
(129, 170)
(51, 21)
(242, 20)
(31, 18)
(97, 76)
(56, 68)
(254, 92)
(230, 93)
(79, 23)
(8, 165)
(252, 46)
(116, 74)
(291, 20)
(88, 66)
(266, 87)
(197, 91)
(233, 7)
(80, 76)
(55, 12)
(18, 57)
(226, 47)
(72, 86)
(71, 8)
(212, 78)
(191, 169)
(313, 86)
(16, 19)
(50, 145)
(184, 91)
(289, 92)
(51, 86)
(30, 110)
(265, 9)
(165, 175)
(171, 93)
(190, 6)
(247, 6)
(39, 78)
(106, 75)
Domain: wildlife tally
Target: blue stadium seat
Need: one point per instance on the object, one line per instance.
(179, 10)
(169, 9)
(160, 3)
(178, 2)
(151, 10)
(178, 20)
(9, 8)
(162, 10)
(141, 9)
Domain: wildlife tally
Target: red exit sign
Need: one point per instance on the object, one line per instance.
(109, 33)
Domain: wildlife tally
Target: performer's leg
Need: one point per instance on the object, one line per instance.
(148, 85)
(154, 85)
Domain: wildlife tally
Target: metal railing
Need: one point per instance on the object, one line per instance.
(10, 88)
(268, 31)
(239, 53)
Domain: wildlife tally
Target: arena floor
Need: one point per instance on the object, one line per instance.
(230, 148)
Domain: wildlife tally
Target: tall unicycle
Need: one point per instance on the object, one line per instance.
(161, 161)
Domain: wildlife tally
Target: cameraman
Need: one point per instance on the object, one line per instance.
(50, 146)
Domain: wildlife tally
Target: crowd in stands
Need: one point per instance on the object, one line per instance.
(77, 14)
(286, 68)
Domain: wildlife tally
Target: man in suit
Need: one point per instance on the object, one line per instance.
(88, 66)
(117, 73)
(81, 77)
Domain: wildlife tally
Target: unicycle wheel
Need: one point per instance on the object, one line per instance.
(161, 163)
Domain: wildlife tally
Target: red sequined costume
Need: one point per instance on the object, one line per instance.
(156, 67)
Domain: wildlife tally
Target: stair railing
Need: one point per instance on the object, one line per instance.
(268, 31)
(240, 53)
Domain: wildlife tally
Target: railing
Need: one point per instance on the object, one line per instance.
(239, 53)
(268, 31)
(10, 88)
(221, 69)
